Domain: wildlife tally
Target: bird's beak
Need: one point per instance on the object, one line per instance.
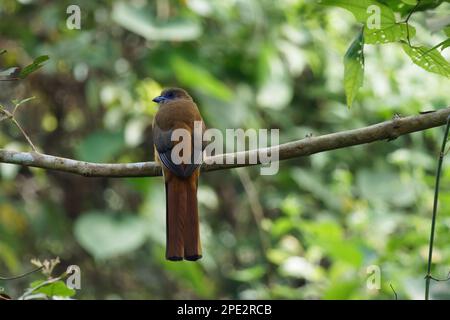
(158, 99)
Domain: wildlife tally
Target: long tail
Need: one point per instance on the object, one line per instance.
(183, 233)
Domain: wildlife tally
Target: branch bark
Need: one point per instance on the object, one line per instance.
(387, 130)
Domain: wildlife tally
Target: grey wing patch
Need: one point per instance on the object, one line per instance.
(162, 139)
(164, 144)
(180, 170)
(166, 160)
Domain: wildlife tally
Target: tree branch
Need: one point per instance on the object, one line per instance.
(387, 130)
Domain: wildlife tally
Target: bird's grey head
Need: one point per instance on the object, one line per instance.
(171, 94)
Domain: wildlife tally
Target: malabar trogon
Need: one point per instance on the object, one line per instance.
(177, 110)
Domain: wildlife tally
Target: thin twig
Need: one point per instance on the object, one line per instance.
(393, 290)
(428, 277)
(24, 134)
(438, 280)
(11, 116)
(19, 103)
(433, 48)
(20, 276)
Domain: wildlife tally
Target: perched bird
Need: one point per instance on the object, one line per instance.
(177, 110)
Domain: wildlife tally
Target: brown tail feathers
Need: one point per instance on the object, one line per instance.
(182, 223)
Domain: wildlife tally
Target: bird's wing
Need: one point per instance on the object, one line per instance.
(164, 145)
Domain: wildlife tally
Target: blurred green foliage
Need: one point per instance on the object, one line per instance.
(251, 64)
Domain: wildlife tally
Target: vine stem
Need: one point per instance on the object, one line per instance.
(407, 21)
(20, 276)
(412, 11)
(428, 277)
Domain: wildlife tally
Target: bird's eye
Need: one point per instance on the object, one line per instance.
(170, 95)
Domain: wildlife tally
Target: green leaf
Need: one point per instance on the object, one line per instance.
(428, 58)
(410, 2)
(354, 68)
(37, 63)
(100, 146)
(53, 289)
(445, 44)
(2, 52)
(142, 22)
(105, 236)
(447, 31)
(389, 33)
(196, 76)
(359, 8)
(365, 12)
(34, 284)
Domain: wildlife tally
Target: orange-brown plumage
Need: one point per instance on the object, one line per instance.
(177, 110)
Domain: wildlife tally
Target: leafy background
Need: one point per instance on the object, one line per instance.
(311, 231)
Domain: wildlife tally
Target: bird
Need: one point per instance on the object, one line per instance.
(177, 110)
